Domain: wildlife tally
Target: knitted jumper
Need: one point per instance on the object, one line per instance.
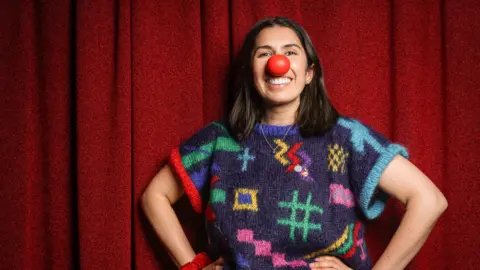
(281, 209)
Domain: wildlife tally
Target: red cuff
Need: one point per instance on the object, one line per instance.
(188, 186)
(200, 261)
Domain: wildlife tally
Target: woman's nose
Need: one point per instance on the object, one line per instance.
(278, 65)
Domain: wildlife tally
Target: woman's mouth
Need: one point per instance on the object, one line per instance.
(278, 82)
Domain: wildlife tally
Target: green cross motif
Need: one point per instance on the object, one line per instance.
(295, 205)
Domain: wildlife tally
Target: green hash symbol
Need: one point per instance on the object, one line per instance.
(305, 224)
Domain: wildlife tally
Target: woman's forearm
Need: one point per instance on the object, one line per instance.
(417, 223)
(165, 222)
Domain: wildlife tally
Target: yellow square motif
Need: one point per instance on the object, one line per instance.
(252, 206)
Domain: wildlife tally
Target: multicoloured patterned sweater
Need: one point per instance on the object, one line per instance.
(282, 209)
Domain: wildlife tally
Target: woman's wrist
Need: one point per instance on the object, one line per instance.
(200, 261)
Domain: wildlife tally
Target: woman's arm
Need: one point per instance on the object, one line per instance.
(163, 191)
(424, 204)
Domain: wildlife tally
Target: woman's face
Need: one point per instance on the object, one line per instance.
(287, 88)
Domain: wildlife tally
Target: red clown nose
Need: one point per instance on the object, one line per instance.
(278, 65)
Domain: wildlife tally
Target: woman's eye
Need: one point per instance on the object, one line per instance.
(290, 53)
(265, 54)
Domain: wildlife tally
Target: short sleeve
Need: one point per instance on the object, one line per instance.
(371, 152)
(192, 161)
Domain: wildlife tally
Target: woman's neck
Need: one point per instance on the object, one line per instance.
(281, 115)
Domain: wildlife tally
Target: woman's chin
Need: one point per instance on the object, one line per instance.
(277, 96)
(280, 101)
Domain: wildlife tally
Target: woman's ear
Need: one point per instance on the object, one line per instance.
(309, 75)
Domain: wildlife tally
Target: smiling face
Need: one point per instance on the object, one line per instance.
(285, 89)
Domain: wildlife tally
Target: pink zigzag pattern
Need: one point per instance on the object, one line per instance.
(263, 248)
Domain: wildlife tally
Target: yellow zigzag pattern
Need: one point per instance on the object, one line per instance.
(333, 246)
(279, 155)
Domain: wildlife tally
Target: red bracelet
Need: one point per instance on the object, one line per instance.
(199, 262)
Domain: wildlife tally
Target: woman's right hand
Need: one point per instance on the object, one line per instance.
(216, 265)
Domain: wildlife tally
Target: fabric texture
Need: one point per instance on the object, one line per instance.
(268, 209)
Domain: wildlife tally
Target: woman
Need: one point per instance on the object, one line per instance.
(286, 181)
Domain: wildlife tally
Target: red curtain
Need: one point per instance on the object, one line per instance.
(96, 93)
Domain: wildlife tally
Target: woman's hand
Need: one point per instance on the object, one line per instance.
(216, 265)
(328, 262)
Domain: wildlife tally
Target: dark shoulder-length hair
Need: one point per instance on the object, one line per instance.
(315, 115)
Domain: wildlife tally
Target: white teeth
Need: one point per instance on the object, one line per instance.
(279, 80)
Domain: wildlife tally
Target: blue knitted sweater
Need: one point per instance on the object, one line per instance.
(281, 209)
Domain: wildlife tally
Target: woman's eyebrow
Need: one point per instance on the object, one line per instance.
(292, 45)
(270, 47)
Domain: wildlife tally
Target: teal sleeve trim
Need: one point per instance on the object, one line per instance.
(373, 210)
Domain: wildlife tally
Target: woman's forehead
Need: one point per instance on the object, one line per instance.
(277, 37)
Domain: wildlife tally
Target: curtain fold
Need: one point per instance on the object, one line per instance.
(36, 161)
(462, 128)
(104, 137)
(95, 94)
(167, 100)
(417, 66)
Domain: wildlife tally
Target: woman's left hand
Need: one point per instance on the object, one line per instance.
(328, 262)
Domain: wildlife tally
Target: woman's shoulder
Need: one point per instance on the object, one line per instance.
(350, 126)
(349, 122)
(212, 136)
(351, 131)
(213, 129)
(342, 128)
